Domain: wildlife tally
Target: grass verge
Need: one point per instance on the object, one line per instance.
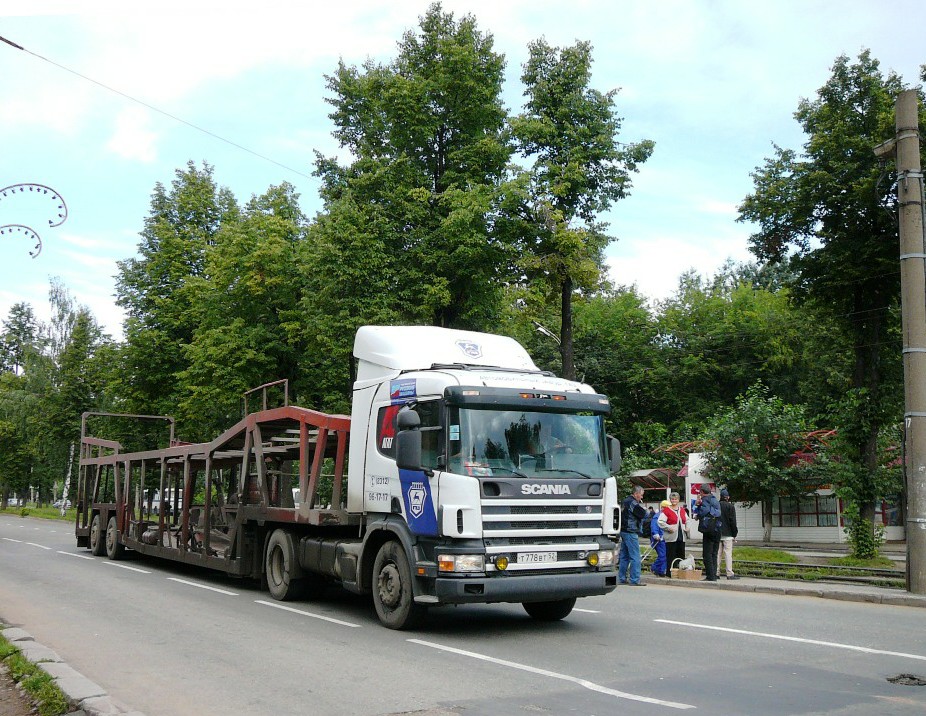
(47, 513)
(49, 699)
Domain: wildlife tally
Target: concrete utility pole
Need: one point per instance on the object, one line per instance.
(913, 307)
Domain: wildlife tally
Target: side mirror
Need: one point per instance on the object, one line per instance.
(614, 454)
(408, 440)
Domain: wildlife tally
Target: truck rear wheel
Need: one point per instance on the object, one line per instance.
(97, 538)
(392, 588)
(282, 567)
(550, 611)
(114, 548)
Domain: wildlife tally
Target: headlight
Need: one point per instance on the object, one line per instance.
(605, 557)
(461, 562)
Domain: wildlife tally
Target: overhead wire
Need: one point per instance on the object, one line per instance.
(153, 108)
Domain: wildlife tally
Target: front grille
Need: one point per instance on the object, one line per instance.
(568, 527)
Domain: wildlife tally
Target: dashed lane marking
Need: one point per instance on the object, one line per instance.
(40, 546)
(203, 586)
(782, 637)
(72, 554)
(305, 614)
(10, 539)
(587, 611)
(125, 566)
(555, 675)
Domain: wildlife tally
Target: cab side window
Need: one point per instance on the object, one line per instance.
(429, 413)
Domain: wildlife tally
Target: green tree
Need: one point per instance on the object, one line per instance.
(248, 326)
(829, 205)
(425, 132)
(718, 337)
(19, 337)
(753, 451)
(569, 131)
(156, 288)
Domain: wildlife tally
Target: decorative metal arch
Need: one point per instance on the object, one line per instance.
(62, 209)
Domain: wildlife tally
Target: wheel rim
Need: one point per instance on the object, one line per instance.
(110, 537)
(389, 584)
(95, 531)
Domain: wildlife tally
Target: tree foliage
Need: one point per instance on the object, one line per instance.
(569, 132)
(753, 453)
(828, 206)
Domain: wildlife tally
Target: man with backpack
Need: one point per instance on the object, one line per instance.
(632, 516)
(707, 510)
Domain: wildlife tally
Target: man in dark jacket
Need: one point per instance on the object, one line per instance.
(632, 515)
(707, 510)
(728, 533)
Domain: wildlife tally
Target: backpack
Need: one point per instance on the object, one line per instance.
(710, 523)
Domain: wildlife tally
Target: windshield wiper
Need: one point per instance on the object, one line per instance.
(512, 470)
(564, 469)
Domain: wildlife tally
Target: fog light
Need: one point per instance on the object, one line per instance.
(461, 562)
(592, 559)
(501, 563)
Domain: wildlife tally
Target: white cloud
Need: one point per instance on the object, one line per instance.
(132, 138)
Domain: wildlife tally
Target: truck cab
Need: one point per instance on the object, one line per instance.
(492, 476)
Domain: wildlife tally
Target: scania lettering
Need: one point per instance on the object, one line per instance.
(463, 475)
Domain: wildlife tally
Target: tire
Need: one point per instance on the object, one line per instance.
(392, 589)
(284, 575)
(114, 548)
(550, 611)
(97, 537)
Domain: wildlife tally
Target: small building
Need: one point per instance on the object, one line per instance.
(817, 517)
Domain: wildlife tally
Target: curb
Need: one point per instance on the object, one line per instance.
(897, 599)
(83, 695)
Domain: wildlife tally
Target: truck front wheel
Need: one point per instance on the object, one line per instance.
(97, 538)
(550, 611)
(114, 548)
(282, 567)
(392, 588)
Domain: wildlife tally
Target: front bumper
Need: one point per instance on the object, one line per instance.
(526, 588)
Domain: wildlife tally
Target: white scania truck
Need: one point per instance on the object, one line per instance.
(471, 477)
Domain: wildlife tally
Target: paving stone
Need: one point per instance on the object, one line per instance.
(14, 634)
(36, 652)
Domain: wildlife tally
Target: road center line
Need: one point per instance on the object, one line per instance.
(125, 566)
(587, 611)
(71, 554)
(10, 539)
(203, 586)
(555, 675)
(305, 614)
(817, 642)
(40, 546)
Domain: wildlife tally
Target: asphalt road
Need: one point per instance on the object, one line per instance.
(170, 640)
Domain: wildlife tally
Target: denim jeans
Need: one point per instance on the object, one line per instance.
(629, 556)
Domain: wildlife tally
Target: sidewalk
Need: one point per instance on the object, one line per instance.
(793, 588)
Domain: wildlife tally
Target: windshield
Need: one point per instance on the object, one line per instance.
(530, 444)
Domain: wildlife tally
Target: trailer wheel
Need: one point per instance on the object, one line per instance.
(114, 548)
(282, 567)
(392, 588)
(97, 538)
(550, 611)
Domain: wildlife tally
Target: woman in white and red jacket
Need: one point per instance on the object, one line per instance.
(674, 523)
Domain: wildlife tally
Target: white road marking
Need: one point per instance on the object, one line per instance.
(555, 675)
(587, 611)
(204, 586)
(125, 566)
(72, 554)
(10, 539)
(40, 546)
(817, 642)
(304, 613)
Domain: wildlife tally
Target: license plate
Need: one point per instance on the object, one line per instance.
(536, 557)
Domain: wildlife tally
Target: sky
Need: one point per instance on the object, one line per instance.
(714, 83)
